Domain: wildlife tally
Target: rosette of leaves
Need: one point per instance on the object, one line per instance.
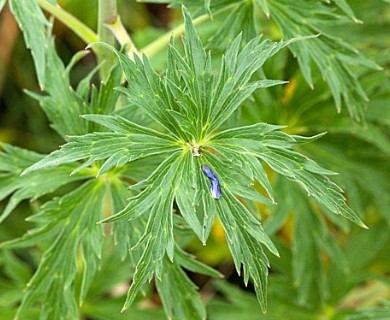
(190, 104)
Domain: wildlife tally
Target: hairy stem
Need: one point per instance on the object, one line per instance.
(79, 28)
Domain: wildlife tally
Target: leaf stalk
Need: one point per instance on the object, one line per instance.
(107, 14)
(79, 28)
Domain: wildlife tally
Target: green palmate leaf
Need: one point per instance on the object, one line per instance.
(13, 161)
(69, 224)
(190, 104)
(157, 246)
(33, 23)
(155, 196)
(157, 243)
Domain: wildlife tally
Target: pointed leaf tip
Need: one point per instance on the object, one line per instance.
(363, 225)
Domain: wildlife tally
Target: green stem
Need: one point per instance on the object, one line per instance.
(156, 46)
(107, 15)
(122, 36)
(79, 28)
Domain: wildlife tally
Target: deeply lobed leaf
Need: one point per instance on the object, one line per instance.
(13, 161)
(190, 105)
(69, 225)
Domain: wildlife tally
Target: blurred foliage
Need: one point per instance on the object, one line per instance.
(328, 268)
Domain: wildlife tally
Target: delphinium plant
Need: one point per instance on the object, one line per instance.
(226, 146)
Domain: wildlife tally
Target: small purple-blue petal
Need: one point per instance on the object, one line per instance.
(215, 187)
(207, 171)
